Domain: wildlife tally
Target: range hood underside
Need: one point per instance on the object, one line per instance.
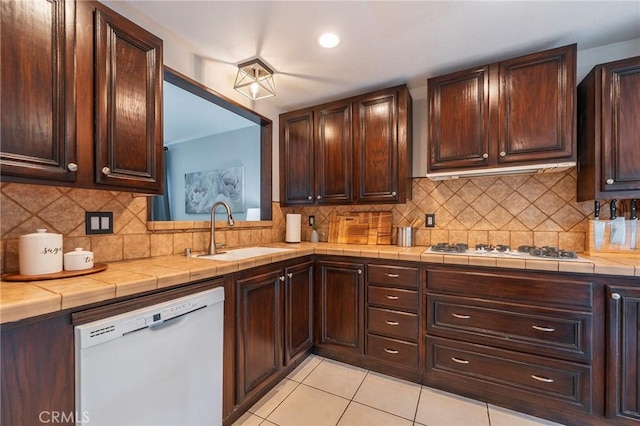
(503, 171)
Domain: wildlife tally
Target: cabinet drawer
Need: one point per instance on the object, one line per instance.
(393, 323)
(392, 350)
(515, 373)
(535, 289)
(539, 330)
(393, 298)
(396, 276)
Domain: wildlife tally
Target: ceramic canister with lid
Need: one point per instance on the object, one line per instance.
(40, 253)
(78, 259)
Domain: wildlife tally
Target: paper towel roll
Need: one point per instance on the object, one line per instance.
(294, 222)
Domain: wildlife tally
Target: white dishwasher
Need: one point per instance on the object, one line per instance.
(160, 365)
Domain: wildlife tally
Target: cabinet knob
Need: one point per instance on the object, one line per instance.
(309, 198)
(609, 181)
(290, 275)
(318, 197)
(281, 278)
(485, 155)
(72, 167)
(503, 154)
(394, 193)
(359, 271)
(106, 171)
(615, 296)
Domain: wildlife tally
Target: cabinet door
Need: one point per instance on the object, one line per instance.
(382, 146)
(333, 154)
(537, 107)
(258, 333)
(296, 158)
(129, 151)
(37, 90)
(459, 119)
(621, 126)
(339, 314)
(623, 360)
(298, 310)
(37, 373)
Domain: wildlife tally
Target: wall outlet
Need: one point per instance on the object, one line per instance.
(312, 220)
(430, 220)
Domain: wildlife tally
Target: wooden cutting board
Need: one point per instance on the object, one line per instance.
(360, 228)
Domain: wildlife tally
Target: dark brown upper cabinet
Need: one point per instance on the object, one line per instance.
(515, 112)
(128, 102)
(609, 131)
(382, 146)
(37, 90)
(355, 150)
(333, 154)
(81, 89)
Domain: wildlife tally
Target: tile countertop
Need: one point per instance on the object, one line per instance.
(19, 300)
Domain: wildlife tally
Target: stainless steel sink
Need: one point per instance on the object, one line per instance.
(243, 253)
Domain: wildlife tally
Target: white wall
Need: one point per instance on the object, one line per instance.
(212, 153)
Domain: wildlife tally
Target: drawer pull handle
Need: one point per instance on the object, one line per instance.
(459, 361)
(391, 351)
(461, 316)
(391, 297)
(392, 322)
(392, 275)
(542, 379)
(546, 329)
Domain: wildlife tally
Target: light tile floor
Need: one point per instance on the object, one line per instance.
(323, 392)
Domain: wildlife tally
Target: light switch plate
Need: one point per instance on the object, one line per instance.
(98, 223)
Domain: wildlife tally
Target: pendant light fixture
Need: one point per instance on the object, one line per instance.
(255, 80)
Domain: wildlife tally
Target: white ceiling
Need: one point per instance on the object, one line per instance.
(383, 43)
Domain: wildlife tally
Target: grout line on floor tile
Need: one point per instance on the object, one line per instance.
(283, 400)
(415, 414)
(312, 370)
(488, 413)
(380, 409)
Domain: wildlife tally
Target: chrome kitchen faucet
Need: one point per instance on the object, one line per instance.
(230, 222)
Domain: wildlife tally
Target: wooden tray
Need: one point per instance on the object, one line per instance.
(15, 276)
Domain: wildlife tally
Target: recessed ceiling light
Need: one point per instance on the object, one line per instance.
(329, 40)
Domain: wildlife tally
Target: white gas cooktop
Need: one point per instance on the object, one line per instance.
(508, 254)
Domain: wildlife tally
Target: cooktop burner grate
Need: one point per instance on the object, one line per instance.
(450, 248)
(548, 251)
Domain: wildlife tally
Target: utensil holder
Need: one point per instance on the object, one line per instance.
(405, 236)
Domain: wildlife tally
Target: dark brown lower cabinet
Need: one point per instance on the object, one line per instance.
(273, 328)
(532, 343)
(623, 361)
(298, 311)
(258, 330)
(38, 373)
(339, 315)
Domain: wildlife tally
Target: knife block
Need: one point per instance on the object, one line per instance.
(607, 247)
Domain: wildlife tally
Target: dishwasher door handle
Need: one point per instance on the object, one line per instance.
(166, 323)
